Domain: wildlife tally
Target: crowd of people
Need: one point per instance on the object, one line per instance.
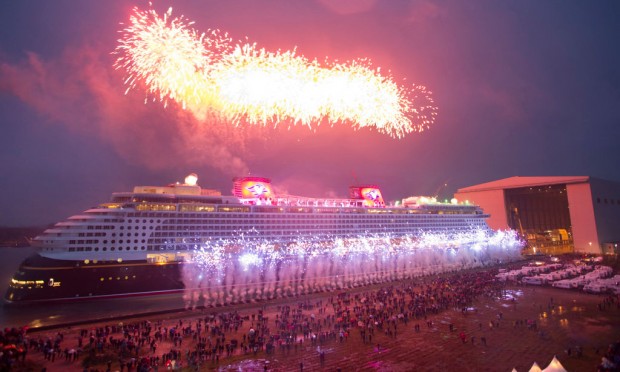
(209, 338)
(610, 361)
(214, 336)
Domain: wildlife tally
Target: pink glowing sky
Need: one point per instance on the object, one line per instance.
(523, 88)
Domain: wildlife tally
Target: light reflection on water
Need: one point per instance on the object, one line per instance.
(560, 311)
(36, 323)
(512, 294)
(35, 316)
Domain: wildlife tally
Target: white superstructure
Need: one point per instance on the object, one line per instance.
(161, 222)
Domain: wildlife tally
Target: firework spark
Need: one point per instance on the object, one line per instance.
(241, 270)
(209, 74)
(257, 251)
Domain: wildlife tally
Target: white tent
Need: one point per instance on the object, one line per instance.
(554, 366)
(535, 368)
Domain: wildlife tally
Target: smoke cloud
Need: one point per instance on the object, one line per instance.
(82, 91)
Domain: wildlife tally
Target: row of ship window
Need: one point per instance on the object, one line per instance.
(175, 218)
(173, 222)
(161, 239)
(164, 239)
(245, 211)
(96, 249)
(276, 220)
(129, 235)
(95, 241)
(100, 227)
(175, 229)
(102, 279)
(316, 226)
(264, 219)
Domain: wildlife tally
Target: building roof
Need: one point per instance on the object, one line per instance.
(517, 182)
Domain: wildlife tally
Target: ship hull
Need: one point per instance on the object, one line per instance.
(43, 279)
(234, 276)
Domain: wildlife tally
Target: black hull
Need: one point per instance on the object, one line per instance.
(41, 279)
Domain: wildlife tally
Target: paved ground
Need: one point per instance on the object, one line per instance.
(564, 318)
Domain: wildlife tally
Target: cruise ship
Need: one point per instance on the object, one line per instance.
(142, 242)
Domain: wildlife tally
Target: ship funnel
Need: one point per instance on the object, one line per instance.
(370, 194)
(252, 188)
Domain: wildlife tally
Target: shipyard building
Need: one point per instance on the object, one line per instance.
(579, 214)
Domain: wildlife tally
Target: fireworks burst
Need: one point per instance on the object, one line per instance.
(260, 269)
(209, 74)
(257, 251)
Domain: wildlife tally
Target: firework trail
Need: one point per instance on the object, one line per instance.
(209, 74)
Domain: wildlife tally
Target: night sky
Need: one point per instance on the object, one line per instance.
(523, 87)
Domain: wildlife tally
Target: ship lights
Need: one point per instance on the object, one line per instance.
(191, 179)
